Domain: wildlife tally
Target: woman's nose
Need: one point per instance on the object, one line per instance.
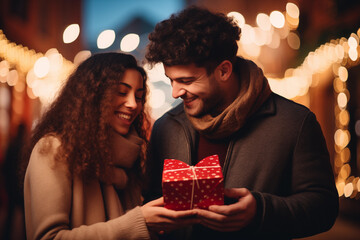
(131, 101)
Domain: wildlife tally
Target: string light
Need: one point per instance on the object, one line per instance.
(346, 184)
(269, 31)
(24, 67)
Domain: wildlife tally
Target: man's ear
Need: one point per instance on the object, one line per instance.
(224, 70)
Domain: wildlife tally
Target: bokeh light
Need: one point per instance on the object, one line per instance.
(13, 77)
(71, 33)
(277, 19)
(81, 56)
(263, 21)
(42, 67)
(238, 18)
(105, 39)
(4, 71)
(292, 10)
(157, 98)
(342, 100)
(130, 42)
(293, 40)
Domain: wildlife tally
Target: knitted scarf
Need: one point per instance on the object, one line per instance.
(125, 150)
(254, 91)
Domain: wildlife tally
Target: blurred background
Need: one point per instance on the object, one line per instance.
(309, 50)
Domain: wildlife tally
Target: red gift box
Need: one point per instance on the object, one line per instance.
(187, 187)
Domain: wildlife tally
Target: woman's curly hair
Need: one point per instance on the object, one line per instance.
(79, 115)
(195, 35)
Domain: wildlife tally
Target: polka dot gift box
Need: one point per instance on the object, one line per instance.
(187, 187)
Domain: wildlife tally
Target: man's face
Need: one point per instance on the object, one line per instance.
(201, 93)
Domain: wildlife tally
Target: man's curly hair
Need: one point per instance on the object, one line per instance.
(195, 35)
(79, 116)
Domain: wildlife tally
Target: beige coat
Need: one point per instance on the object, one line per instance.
(60, 207)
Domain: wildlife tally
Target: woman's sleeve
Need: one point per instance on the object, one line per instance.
(48, 197)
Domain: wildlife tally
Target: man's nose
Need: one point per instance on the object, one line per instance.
(177, 90)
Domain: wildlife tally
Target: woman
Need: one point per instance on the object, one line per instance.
(84, 175)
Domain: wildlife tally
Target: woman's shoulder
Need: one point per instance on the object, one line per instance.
(46, 149)
(48, 144)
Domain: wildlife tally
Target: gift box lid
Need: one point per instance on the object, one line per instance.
(175, 170)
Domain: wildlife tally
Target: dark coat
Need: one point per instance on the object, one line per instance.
(280, 155)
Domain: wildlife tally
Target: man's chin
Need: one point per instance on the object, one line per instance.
(193, 112)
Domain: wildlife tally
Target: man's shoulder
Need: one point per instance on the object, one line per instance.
(177, 113)
(288, 106)
(282, 110)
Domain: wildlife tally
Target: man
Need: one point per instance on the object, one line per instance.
(278, 179)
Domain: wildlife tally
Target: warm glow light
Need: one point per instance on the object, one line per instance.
(344, 117)
(338, 85)
(12, 78)
(275, 41)
(156, 73)
(130, 42)
(353, 42)
(81, 56)
(260, 36)
(55, 60)
(283, 32)
(340, 52)
(42, 67)
(293, 40)
(252, 50)
(105, 39)
(238, 18)
(157, 98)
(292, 10)
(342, 138)
(30, 93)
(20, 86)
(353, 54)
(345, 171)
(343, 74)
(342, 100)
(31, 78)
(348, 189)
(4, 71)
(263, 21)
(345, 155)
(5, 97)
(71, 33)
(293, 23)
(277, 19)
(340, 187)
(247, 34)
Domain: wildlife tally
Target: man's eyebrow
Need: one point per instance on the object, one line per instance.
(180, 78)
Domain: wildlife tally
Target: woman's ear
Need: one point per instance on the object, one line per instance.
(224, 70)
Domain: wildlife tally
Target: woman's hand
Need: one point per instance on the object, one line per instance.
(160, 219)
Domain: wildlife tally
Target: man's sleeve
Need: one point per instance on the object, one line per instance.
(313, 204)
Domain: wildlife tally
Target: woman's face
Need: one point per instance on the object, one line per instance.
(127, 103)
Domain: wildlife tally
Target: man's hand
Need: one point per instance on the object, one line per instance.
(160, 219)
(232, 217)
